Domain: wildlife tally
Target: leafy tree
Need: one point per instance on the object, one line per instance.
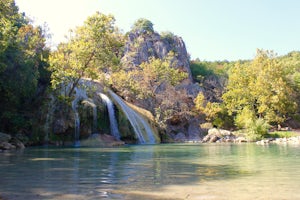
(260, 89)
(204, 69)
(145, 80)
(22, 58)
(93, 48)
(215, 112)
(143, 25)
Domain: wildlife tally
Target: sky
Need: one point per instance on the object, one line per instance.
(211, 29)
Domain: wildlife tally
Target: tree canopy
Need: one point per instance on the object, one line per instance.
(91, 50)
(22, 60)
(260, 89)
(142, 25)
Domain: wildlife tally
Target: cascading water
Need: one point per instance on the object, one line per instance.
(140, 126)
(79, 95)
(112, 119)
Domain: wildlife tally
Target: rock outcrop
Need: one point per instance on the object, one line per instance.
(222, 136)
(139, 48)
(10, 143)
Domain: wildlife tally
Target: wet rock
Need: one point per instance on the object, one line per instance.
(180, 137)
(6, 146)
(4, 137)
(60, 126)
(101, 140)
(213, 138)
(9, 143)
(17, 143)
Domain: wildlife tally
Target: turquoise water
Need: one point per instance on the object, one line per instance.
(177, 171)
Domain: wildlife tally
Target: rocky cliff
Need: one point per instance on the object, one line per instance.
(180, 124)
(141, 46)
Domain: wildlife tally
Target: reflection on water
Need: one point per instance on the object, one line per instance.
(179, 171)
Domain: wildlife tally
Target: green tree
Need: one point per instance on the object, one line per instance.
(260, 89)
(93, 48)
(143, 25)
(22, 58)
(149, 76)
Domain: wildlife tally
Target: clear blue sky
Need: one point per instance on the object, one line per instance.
(211, 29)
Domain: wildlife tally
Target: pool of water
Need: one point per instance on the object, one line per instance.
(171, 171)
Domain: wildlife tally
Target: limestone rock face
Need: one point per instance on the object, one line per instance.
(141, 46)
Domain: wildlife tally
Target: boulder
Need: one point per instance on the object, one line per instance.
(9, 143)
(6, 146)
(219, 135)
(17, 143)
(4, 137)
(240, 139)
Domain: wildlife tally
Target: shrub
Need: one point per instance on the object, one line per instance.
(257, 129)
(143, 25)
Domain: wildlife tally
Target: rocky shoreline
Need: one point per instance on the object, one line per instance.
(214, 136)
(224, 136)
(290, 140)
(10, 143)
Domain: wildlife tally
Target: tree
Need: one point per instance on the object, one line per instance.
(22, 53)
(149, 76)
(93, 48)
(260, 89)
(143, 25)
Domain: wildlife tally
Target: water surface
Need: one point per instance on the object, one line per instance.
(177, 171)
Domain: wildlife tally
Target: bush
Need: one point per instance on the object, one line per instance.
(257, 129)
(143, 25)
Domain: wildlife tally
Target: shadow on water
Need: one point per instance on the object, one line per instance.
(86, 173)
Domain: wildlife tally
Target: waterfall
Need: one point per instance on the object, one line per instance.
(139, 124)
(112, 119)
(79, 95)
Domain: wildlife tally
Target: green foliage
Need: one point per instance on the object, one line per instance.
(23, 56)
(257, 129)
(93, 48)
(260, 88)
(281, 134)
(143, 25)
(215, 113)
(202, 69)
(144, 81)
(167, 35)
